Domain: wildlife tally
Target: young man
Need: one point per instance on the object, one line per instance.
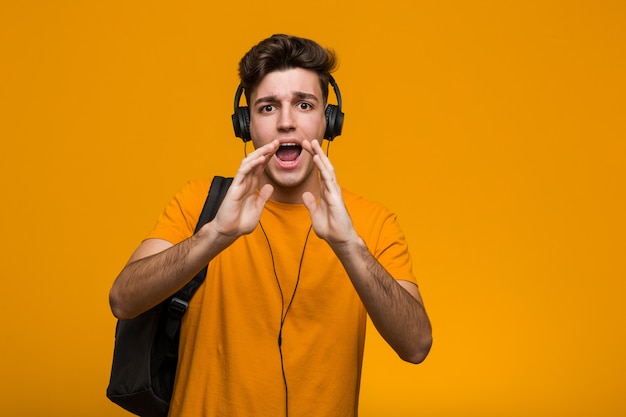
(296, 263)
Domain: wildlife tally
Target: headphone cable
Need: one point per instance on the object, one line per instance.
(284, 312)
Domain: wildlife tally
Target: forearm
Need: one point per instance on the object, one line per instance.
(156, 272)
(398, 315)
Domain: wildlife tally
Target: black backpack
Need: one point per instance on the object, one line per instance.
(146, 347)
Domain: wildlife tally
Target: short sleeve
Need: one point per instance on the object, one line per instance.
(382, 234)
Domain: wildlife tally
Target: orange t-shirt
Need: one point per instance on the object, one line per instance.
(230, 360)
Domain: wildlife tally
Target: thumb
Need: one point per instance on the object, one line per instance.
(309, 201)
(264, 194)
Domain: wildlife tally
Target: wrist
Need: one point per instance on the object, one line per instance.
(350, 246)
(212, 239)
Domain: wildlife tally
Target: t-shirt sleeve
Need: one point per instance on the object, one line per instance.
(178, 221)
(380, 229)
(392, 250)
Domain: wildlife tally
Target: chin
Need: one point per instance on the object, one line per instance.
(286, 179)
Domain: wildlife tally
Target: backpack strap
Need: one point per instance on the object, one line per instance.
(180, 301)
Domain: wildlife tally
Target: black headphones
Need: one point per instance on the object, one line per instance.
(334, 116)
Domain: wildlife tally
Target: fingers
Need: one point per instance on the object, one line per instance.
(260, 155)
(256, 161)
(313, 147)
(327, 171)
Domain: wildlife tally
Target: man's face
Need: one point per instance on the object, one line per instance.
(288, 106)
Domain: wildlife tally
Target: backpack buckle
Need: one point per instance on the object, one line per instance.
(177, 308)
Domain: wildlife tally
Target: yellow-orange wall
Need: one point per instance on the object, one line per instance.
(495, 129)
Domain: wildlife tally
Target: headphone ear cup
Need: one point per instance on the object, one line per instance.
(334, 122)
(241, 123)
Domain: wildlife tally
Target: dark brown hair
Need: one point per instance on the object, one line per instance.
(281, 52)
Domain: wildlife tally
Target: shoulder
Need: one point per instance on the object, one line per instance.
(359, 205)
(370, 218)
(379, 228)
(195, 189)
(178, 219)
(190, 198)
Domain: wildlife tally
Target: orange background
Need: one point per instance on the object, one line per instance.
(494, 129)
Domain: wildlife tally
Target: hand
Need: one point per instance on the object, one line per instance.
(242, 206)
(330, 218)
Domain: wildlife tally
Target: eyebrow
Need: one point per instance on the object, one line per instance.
(297, 94)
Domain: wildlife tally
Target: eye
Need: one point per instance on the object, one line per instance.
(304, 106)
(267, 108)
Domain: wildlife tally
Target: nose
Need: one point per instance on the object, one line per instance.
(286, 119)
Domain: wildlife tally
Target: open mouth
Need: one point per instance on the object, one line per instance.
(288, 152)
